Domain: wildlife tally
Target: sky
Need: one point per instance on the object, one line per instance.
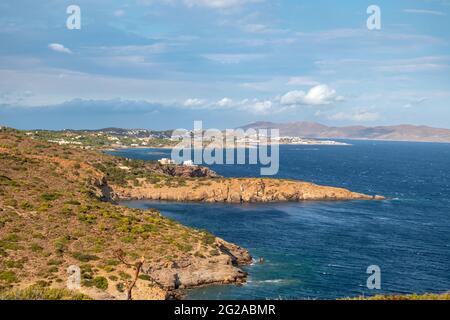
(162, 64)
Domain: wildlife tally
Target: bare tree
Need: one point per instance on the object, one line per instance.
(137, 266)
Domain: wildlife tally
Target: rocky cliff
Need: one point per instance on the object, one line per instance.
(239, 191)
(222, 267)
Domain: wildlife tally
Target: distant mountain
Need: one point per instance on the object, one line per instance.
(402, 132)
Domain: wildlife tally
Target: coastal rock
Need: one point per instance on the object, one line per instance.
(245, 190)
(199, 271)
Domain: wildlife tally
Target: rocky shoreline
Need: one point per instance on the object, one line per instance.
(224, 268)
(239, 190)
(178, 277)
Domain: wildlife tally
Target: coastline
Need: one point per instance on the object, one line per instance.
(244, 146)
(239, 190)
(82, 187)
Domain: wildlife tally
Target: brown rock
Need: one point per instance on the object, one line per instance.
(235, 190)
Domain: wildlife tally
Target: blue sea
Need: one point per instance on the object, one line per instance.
(321, 250)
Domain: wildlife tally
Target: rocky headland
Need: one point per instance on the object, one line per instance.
(239, 190)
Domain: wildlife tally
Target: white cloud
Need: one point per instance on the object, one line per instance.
(59, 48)
(422, 11)
(293, 97)
(254, 105)
(257, 106)
(317, 95)
(225, 102)
(194, 102)
(359, 116)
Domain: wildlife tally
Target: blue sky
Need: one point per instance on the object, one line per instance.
(165, 63)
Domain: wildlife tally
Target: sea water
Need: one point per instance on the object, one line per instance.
(321, 250)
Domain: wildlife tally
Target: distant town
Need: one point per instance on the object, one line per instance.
(115, 138)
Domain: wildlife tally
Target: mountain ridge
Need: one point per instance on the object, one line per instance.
(402, 132)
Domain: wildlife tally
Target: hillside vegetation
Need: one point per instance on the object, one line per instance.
(52, 216)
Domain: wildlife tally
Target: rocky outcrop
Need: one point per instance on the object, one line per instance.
(244, 190)
(222, 268)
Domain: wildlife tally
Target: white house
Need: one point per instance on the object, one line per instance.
(166, 161)
(188, 163)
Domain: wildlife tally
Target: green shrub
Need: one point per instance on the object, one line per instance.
(112, 262)
(60, 247)
(127, 239)
(50, 196)
(11, 237)
(8, 276)
(151, 228)
(14, 264)
(25, 205)
(101, 283)
(184, 247)
(84, 257)
(208, 238)
(124, 225)
(145, 277)
(5, 245)
(55, 262)
(73, 202)
(44, 206)
(66, 210)
(87, 218)
(108, 268)
(36, 248)
(61, 244)
(6, 181)
(137, 229)
(124, 275)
